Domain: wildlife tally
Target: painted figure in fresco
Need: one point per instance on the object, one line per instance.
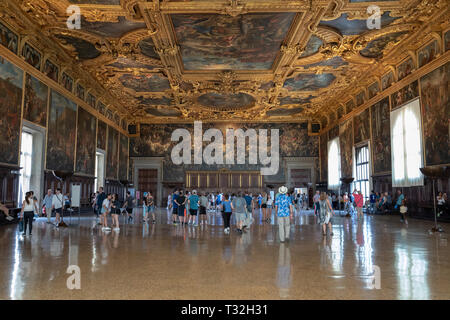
(32, 56)
(51, 70)
(8, 38)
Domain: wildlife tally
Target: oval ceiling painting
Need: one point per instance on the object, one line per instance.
(226, 101)
(374, 48)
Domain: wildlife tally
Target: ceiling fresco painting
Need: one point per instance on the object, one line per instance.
(110, 29)
(250, 41)
(84, 49)
(145, 83)
(266, 60)
(309, 82)
(347, 26)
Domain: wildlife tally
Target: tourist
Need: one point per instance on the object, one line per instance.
(283, 209)
(264, 207)
(36, 204)
(373, 199)
(240, 212)
(57, 205)
(400, 198)
(27, 213)
(249, 202)
(440, 204)
(5, 210)
(403, 210)
(181, 204)
(299, 202)
(128, 205)
(115, 211)
(47, 204)
(174, 207)
(316, 199)
(325, 214)
(203, 201)
(94, 202)
(100, 198)
(269, 208)
(144, 208)
(105, 209)
(227, 210)
(193, 207)
(169, 202)
(359, 202)
(151, 206)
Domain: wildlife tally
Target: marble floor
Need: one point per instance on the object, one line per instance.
(377, 258)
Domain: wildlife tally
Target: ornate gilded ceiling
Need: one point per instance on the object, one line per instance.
(259, 60)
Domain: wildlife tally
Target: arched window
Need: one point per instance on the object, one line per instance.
(406, 145)
(334, 164)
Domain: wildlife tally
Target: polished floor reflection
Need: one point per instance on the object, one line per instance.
(378, 258)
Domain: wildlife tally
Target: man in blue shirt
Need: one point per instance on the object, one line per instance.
(400, 198)
(174, 207)
(248, 200)
(193, 207)
(283, 208)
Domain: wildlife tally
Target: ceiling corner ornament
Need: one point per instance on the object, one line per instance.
(234, 8)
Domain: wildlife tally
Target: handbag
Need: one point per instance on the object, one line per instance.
(21, 225)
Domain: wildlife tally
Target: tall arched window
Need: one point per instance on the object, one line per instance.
(406, 145)
(334, 164)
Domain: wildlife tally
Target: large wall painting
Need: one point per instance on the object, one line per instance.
(435, 91)
(101, 135)
(245, 42)
(112, 154)
(428, 53)
(86, 148)
(361, 126)
(61, 133)
(381, 136)
(154, 141)
(123, 157)
(8, 38)
(11, 84)
(51, 70)
(32, 56)
(35, 103)
(405, 94)
(346, 145)
(323, 157)
(405, 69)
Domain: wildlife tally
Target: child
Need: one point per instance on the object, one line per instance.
(403, 210)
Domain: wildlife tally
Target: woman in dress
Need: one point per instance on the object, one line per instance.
(325, 213)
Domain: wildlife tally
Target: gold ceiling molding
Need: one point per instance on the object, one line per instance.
(420, 19)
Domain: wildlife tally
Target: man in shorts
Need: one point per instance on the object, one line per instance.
(181, 203)
(175, 207)
(193, 207)
(203, 204)
(240, 212)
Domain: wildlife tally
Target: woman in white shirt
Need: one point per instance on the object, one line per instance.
(27, 212)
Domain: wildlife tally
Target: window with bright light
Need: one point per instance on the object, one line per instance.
(26, 153)
(406, 145)
(361, 171)
(334, 164)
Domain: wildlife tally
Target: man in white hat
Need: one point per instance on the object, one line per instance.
(283, 208)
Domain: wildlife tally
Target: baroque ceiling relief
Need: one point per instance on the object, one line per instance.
(257, 60)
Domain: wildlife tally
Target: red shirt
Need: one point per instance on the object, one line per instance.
(358, 200)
